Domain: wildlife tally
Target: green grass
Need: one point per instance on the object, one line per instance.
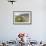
(19, 19)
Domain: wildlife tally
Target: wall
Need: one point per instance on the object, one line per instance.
(9, 31)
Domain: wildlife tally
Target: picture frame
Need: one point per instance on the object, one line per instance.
(22, 17)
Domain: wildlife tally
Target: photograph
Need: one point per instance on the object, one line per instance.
(22, 17)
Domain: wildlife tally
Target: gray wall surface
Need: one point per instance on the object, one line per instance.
(9, 31)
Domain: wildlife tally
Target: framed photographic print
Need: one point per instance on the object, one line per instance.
(22, 17)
